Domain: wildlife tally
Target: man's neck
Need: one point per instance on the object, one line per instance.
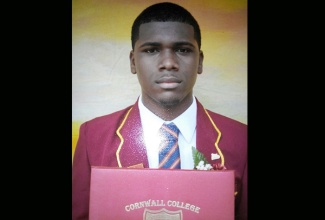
(168, 112)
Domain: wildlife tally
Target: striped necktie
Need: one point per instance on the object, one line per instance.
(169, 156)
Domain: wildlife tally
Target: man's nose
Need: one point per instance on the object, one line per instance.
(168, 60)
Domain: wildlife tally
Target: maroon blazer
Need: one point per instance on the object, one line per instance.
(116, 140)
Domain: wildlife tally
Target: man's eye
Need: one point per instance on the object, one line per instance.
(183, 50)
(151, 50)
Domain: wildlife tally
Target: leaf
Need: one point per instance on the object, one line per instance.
(198, 156)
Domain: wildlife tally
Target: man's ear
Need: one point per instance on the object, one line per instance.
(200, 67)
(132, 63)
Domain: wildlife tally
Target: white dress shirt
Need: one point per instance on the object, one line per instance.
(186, 124)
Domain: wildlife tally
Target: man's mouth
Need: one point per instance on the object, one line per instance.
(168, 82)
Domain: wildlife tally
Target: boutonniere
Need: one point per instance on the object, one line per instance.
(201, 163)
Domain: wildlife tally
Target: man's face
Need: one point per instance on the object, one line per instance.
(166, 59)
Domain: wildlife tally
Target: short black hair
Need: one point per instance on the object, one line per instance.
(161, 12)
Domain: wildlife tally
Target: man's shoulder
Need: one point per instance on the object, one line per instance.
(226, 124)
(108, 119)
(224, 119)
(218, 119)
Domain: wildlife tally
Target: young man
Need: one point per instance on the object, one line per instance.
(166, 58)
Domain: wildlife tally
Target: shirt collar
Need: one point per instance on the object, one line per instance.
(186, 122)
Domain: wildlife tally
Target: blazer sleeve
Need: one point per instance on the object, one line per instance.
(81, 177)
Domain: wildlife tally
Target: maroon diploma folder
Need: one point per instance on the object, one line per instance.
(157, 194)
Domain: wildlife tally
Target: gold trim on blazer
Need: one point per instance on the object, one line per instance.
(122, 139)
(217, 141)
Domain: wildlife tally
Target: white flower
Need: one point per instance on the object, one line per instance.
(202, 166)
(208, 166)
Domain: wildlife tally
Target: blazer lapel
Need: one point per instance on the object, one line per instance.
(206, 134)
(133, 151)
